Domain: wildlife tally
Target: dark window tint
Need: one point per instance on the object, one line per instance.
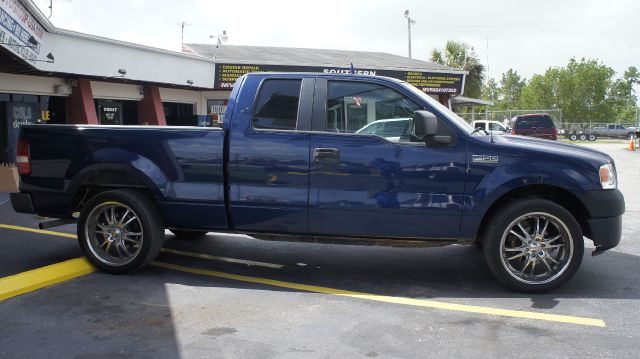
(277, 105)
(529, 122)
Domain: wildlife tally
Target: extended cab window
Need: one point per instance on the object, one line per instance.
(277, 105)
(365, 108)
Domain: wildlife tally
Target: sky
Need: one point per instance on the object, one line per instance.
(527, 35)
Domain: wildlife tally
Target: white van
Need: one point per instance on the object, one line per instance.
(495, 127)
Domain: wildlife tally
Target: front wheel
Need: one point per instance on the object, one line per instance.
(120, 231)
(533, 245)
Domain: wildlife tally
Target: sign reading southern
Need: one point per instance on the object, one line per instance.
(429, 82)
(17, 25)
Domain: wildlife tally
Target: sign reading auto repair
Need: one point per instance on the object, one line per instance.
(20, 32)
(429, 82)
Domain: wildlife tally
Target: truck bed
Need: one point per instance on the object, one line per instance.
(185, 166)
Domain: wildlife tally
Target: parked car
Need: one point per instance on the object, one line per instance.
(539, 125)
(391, 129)
(278, 170)
(614, 130)
(493, 127)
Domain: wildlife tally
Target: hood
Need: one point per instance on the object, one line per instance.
(555, 148)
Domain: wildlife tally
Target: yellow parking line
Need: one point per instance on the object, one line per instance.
(166, 250)
(389, 299)
(35, 279)
(345, 293)
(221, 259)
(40, 231)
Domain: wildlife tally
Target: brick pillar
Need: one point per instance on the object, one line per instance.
(80, 106)
(150, 110)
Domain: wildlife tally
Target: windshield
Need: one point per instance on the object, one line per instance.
(457, 120)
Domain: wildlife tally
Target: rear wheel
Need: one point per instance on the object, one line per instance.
(184, 234)
(573, 137)
(592, 137)
(533, 245)
(120, 231)
(583, 137)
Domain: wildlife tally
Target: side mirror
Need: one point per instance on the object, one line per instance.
(426, 123)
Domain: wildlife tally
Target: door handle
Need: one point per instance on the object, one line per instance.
(327, 156)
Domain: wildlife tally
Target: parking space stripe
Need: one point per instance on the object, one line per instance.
(304, 287)
(35, 279)
(221, 259)
(389, 299)
(40, 231)
(165, 250)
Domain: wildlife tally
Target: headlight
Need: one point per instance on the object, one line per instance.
(608, 178)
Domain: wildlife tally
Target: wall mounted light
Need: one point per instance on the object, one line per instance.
(50, 58)
(189, 82)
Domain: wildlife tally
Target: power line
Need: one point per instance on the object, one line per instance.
(478, 26)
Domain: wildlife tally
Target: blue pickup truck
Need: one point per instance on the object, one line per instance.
(289, 165)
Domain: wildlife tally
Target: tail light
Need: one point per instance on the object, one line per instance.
(23, 157)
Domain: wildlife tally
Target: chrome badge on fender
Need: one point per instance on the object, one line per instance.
(485, 159)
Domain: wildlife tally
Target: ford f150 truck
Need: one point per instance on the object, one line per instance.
(289, 165)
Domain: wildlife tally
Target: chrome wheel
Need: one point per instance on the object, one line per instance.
(113, 233)
(536, 248)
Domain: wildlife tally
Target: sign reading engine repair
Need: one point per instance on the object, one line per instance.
(429, 82)
(20, 32)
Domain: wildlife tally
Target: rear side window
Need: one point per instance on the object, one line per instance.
(277, 105)
(529, 122)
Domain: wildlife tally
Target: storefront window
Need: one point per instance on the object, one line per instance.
(109, 112)
(215, 110)
(179, 114)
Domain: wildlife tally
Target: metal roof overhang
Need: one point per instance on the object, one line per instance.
(468, 101)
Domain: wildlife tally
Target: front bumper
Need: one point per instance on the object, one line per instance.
(605, 218)
(21, 202)
(605, 233)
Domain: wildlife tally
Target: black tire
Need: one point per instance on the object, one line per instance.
(573, 137)
(184, 234)
(567, 253)
(592, 137)
(135, 243)
(583, 137)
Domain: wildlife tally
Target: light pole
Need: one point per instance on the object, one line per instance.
(182, 36)
(466, 56)
(410, 22)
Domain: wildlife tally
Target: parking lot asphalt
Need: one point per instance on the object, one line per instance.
(233, 296)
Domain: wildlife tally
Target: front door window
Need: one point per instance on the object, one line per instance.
(369, 109)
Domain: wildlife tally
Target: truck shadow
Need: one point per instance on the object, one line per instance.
(443, 272)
